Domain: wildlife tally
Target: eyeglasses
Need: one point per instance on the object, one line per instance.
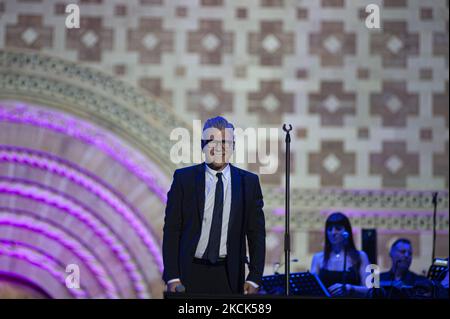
(217, 144)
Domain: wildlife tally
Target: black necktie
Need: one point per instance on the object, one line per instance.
(213, 248)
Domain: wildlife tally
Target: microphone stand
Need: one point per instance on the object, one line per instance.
(344, 274)
(433, 255)
(287, 239)
(435, 201)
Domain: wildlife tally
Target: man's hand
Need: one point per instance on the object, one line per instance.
(173, 285)
(249, 289)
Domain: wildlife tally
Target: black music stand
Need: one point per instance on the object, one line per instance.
(303, 284)
(438, 269)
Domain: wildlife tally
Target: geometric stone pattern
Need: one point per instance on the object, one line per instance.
(265, 63)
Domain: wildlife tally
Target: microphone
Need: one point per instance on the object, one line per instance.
(180, 288)
(346, 236)
(276, 266)
(435, 198)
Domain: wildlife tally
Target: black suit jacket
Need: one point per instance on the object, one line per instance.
(409, 278)
(183, 220)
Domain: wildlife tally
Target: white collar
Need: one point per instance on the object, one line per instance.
(225, 172)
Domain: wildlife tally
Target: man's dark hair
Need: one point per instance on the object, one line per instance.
(400, 240)
(218, 122)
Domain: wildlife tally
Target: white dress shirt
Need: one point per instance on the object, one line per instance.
(210, 194)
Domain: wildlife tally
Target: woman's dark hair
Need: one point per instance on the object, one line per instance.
(339, 219)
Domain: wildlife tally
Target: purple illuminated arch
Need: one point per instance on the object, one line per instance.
(21, 113)
(73, 207)
(13, 277)
(132, 253)
(83, 178)
(42, 263)
(33, 226)
(65, 231)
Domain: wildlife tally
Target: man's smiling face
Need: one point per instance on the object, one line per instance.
(220, 146)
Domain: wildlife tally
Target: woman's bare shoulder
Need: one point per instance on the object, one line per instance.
(363, 255)
(318, 256)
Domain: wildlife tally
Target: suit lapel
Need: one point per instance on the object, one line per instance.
(236, 203)
(200, 189)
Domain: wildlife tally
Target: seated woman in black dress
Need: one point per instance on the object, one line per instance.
(329, 264)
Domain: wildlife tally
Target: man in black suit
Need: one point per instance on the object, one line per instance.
(212, 209)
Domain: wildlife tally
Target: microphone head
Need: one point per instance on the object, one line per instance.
(276, 266)
(180, 288)
(346, 236)
(435, 197)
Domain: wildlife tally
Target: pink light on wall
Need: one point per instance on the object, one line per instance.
(8, 219)
(92, 183)
(71, 233)
(18, 112)
(388, 212)
(14, 244)
(41, 263)
(70, 206)
(24, 281)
